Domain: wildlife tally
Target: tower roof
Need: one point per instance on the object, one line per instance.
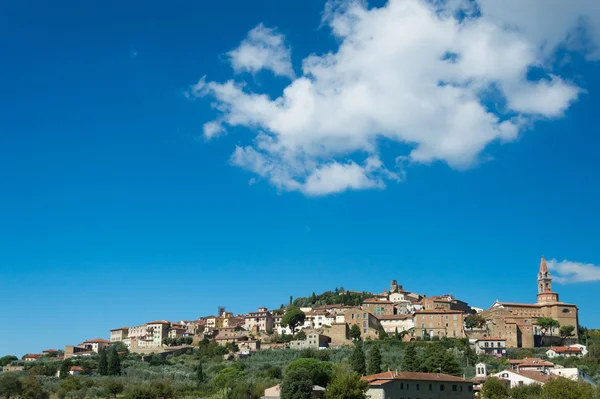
(543, 266)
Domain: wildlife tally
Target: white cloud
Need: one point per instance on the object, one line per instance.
(213, 129)
(262, 49)
(409, 72)
(574, 272)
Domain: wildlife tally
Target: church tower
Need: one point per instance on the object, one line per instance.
(545, 294)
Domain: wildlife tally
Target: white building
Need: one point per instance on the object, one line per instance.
(518, 378)
(573, 374)
(396, 322)
(565, 351)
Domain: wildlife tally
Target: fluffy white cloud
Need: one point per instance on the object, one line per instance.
(262, 49)
(412, 72)
(574, 272)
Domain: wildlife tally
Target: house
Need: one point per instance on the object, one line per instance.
(313, 340)
(259, 321)
(156, 331)
(95, 345)
(75, 370)
(9, 368)
(439, 322)
(564, 351)
(393, 384)
(526, 377)
(531, 364)
(573, 374)
(481, 376)
(396, 322)
(490, 346)
(378, 307)
(448, 302)
(177, 332)
(31, 357)
(275, 392)
(119, 334)
(369, 324)
(51, 352)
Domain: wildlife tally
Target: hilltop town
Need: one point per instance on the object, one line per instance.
(336, 321)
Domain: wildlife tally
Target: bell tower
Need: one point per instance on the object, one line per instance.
(545, 293)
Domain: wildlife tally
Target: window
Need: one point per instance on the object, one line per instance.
(431, 387)
(454, 388)
(442, 387)
(470, 388)
(418, 387)
(364, 315)
(401, 385)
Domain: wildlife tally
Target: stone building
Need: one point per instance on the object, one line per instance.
(259, 321)
(440, 323)
(378, 307)
(516, 321)
(393, 384)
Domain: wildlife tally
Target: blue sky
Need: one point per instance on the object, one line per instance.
(119, 204)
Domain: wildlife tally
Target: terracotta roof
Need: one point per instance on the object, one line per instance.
(524, 305)
(404, 375)
(32, 356)
(119, 329)
(97, 341)
(50, 351)
(159, 322)
(534, 362)
(438, 311)
(535, 375)
(566, 349)
(375, 300)
(75, 368)
(543, 266)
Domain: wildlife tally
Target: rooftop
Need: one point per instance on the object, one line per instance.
(376, 379)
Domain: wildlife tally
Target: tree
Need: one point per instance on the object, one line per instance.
(396, 335)
(103, 363)
(301, 335)
(319, 372)
(546, 324)
(293, 318)
(433, 358)
(232, 347)
(114, 362)
(494, 389)
(9, 385)
(530, 391)
(566, 332)
(450, 365)
(199, 373)
(374, 366)
(346, 384)
(296, 384)
(355, 332)
(32, 389)
(383, 335)
(113, 387)
(563, 388)
(64, 369)
(226, 379)
(5, 360)
(474, 321)
(410, 361)
(162, 389)
(357, 359)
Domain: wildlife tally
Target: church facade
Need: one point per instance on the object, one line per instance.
(515, 322)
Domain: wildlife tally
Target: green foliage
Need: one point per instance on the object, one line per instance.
(566, 332)
(103, 363)
(162, 389)
(64, 369)
(4, 360)
(474, 321)
(9, 385)
(293, 318)
(319, 372)
(531, 391)
(297, 384)
(32, 389)
(357, 359)
(346, 384)
(355, 333)
(410, 361)
(114, 362)
(227, 379)
(199, 373)
(383, 335)
(114, 387)
(232, 347)
(562, 388)
(374, 366)
(338, 297)
(494, 389)
(546, 324)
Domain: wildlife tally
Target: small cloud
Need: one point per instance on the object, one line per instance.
(567, 272)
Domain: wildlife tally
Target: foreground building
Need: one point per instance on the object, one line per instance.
(516, 321)
(393, 384)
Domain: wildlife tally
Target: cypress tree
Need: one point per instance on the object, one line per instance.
(114, 363)
(374, 366)
(357, 359)
(103, 363)
(450, 365)
(410, 361)
(64, 369)
(199, 373)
